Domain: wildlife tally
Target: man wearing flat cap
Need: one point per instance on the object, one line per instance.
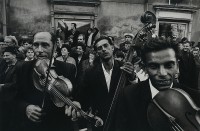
(126, 44)
(128, 37)
(8, 88)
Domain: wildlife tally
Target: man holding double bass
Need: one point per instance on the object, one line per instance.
(34, 104)
(160, 57)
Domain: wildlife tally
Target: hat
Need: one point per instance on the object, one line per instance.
(128, 34)
(136, 60)
(11, 49)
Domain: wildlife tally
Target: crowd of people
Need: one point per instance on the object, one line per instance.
(92, 65)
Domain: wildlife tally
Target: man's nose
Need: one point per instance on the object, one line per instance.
(103, 48)
(162, 71)
(40, 48)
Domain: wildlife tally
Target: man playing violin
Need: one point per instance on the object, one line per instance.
(160, 57)
(100, 82)
(36, 108)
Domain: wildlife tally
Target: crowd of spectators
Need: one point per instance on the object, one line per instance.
(77, 49)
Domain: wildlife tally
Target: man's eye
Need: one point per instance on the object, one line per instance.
(105, 45)
(44, 44)
(99, 48)
(153, 66)
(169, 65)
(36, 44)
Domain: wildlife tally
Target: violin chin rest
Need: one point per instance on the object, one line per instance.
(197, 116)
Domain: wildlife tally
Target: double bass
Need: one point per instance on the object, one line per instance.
(143, 35)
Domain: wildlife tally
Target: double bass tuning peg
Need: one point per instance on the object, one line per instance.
(148, 17)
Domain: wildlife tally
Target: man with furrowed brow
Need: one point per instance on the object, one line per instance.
(35, 108)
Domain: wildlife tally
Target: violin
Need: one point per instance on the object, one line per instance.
(59, 89)
(173, 110)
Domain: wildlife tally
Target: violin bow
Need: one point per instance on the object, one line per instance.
(48, 71)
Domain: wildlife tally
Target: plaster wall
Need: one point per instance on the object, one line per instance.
(115, 19)
(196, 27)
(28, 16)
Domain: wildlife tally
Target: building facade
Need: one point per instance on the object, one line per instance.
(179, 18)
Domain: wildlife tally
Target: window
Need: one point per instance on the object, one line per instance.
(173, 29)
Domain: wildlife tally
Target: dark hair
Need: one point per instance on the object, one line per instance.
(185, 42)
(82, 45)
(184, 39)
(74, 25)
(29, 48)
(158, 44)
(12, 49)
(92, 52)
(102, 38)
(67, 47)
(119, 53)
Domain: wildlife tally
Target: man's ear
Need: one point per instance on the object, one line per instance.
(113, 48)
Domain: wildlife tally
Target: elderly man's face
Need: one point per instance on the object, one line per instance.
(8, 41)
(161, 67)
(128, 38)
(43, 45)
(9, 57)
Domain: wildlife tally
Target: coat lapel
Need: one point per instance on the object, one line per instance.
(115, 77)
(101, 78)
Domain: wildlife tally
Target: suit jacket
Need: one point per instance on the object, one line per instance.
(188, 72)
(131, 114)
(2, 69)
(7, 95)
(55, 118)
(94, 92)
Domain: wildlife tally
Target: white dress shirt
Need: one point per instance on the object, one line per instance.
(154, 91)
(107, 75)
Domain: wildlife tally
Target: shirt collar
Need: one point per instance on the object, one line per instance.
(154, 91)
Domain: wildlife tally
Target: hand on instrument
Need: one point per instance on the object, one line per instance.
(34, 113)
(69, 111)
(129, 69)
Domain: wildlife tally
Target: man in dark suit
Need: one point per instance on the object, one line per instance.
(36, 107)
(161, 63)
(100, 82)
(74, 33)
(7, 87)
(188, 71)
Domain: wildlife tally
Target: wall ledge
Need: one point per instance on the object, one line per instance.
(177, 8)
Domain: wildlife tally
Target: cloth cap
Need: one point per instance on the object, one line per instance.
(128, 34)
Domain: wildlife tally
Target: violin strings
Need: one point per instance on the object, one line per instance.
(175, 126)
(66, 100)
(69, 102)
